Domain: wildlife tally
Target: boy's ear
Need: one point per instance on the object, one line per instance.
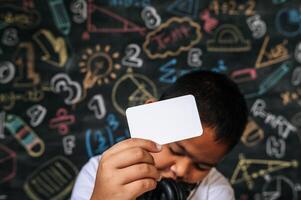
(151, 100)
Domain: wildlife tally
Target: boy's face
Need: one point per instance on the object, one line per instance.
(190, 160)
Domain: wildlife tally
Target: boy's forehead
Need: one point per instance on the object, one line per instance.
(204, 145)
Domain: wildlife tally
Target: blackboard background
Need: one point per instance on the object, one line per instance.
(85, 120)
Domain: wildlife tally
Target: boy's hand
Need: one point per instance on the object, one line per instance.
(126, 171)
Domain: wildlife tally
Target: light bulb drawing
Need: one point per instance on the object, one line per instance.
(99, 65)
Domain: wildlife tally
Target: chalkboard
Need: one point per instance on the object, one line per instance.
(69, 69)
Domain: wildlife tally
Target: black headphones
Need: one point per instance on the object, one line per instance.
(168, 189)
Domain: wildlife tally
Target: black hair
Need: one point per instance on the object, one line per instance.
(220, 103)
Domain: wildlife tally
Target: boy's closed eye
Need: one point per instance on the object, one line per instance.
(179, 151)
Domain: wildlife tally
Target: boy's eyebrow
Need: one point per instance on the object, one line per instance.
(191, 156)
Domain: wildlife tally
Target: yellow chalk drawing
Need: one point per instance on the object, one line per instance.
(277, 54)
(99, 66)
(288, 97)
(52, 180)
(228, 38)
(58, 47)
(139, 89)
(25, 61)
(263, 168)
(253, 134)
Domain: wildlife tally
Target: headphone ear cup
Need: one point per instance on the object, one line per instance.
(168, 189)
(171, 190)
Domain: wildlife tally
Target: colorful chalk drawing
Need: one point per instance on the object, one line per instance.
(172, 37)
(32, 143)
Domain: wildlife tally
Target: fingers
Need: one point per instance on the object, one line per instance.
(133, 142)
(130, 157)
(137, 172)
(137, 188)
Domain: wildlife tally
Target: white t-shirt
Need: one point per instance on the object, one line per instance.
(213, 187)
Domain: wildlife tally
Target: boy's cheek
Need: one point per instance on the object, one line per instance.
(197, 176)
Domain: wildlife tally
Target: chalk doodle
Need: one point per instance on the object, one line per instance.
(61, 83)
(7, 72)
(61, 121)
(69, 144)
(28, 4)
(80, 11)
(291, 96)
(244, 75)
(257, 26)
(129, 3)
(97, 141)
(32, 143)
(280, 187)
(170, 74)
(277, 54)
(52, 180)
(9, 99)
(139, 89)
(99, 66)
(283, 126)
(150, 17)
(271, 80)
(36, 114)
(288, 22)
(252, 134)
(184, 8)
(2, 120)
(8, 163)
(123, 25)
(221, 67)
(228, 38)
(16, 16)
(10, 37)
(279, 1)
(54, 48)
(132, 51)
(193, 58)
(264, 167)
(97, 105)
(230, 7)
(24, 60)
(296, 121)
(209, 22)
(275, 147)
(296, 76)
(298, 52)
(60, 16)
(172, 37)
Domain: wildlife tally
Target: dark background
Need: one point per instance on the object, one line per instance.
(88, 35)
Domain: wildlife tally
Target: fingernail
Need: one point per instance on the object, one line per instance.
(159, 147)
(159, 179)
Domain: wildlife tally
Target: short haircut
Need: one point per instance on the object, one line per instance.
(220, 103)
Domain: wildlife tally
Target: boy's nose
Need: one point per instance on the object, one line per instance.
(181, 168)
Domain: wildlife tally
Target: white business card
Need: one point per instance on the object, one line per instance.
(165, 121)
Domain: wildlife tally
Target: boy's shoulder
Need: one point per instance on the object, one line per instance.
(214, 186)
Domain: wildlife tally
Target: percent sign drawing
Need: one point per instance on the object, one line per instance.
(62, 121)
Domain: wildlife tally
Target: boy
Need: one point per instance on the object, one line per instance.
(132, 167)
